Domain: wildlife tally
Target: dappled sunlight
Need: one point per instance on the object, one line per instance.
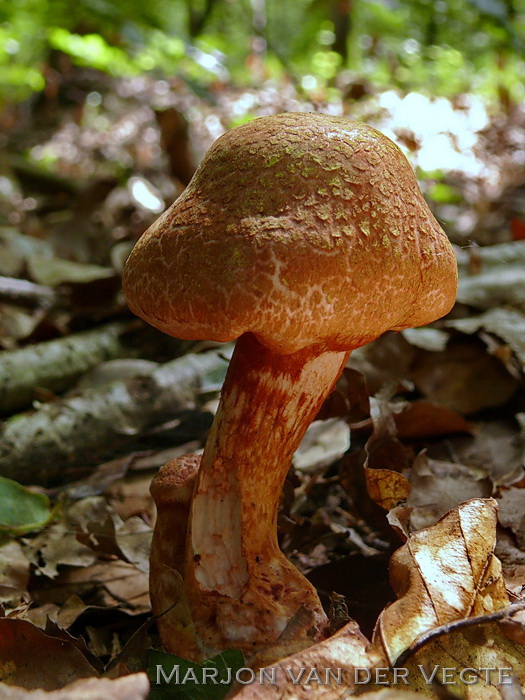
(446, 136)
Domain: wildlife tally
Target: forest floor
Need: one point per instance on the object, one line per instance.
(421, 422)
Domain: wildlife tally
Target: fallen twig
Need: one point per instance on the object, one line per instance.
(54, 365)
(62, 439)
(27, 293)
(432, 634)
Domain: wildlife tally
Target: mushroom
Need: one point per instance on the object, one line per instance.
(305, 236)
(172, 489)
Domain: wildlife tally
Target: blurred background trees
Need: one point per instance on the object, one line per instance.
(441, 47)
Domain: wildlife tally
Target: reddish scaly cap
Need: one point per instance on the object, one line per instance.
(305, 229)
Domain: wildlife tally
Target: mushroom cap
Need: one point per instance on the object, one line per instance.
(304, 229)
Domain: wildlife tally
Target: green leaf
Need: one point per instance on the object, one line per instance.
(444, 194)
(180, 678)
(22, 510)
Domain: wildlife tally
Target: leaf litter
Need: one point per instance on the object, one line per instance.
(421, 439)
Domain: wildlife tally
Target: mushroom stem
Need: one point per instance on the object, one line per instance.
(172, 490)
(241, 589)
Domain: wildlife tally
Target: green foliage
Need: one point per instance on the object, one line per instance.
(438, 47)
(185, 680)
(92, 50)
(442, 193)
(22, 510)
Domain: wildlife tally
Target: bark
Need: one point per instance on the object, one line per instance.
(342, 19)
(61, 440)
(176, 142)
(26, 293)
(54, 365)
(197, 20)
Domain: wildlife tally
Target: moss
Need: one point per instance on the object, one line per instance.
(272, 160)
(340, 212)
(364, 225)
(309, 171)
(323, 212)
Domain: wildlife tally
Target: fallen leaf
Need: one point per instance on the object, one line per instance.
(349, 398)
(493, 256)
(508, 324)
(474, 661)
(133, 687)
(465, 378)
(496, 447)
(14, 570)
(443, 573)
(134, 541)
(424, 419)
(32, 659)
(385, 362)
(496, 286)
(432, 339)
(110, 584)
(15, 249)
(21, 509)
(70, 611)
(134, 655)
(387, 488)
(17, 323)
(325, 441)
(190, 679)
(55, 271)
(386, 457)
(55, 546)
(512, 512)
(296, 676)
(437, 487)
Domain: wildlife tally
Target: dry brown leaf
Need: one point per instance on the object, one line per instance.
(513, 627)
(497, 446)
(448, 581)
(391, 694)
(134, 687)
(424, 419)
(505, 323)
(436, 487)
(465, 378)
(14, 571)
(385, 458)
(32, 659)
(108, 583)
(472, 662)
(296, 676)
(134, 541)
(512, 511)
(443, 573)
(131, 496)
(57, 545)
(349, 398)
(64, 616)
(515, 579)
(387, 488)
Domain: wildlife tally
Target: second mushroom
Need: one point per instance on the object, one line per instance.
(305, 236)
